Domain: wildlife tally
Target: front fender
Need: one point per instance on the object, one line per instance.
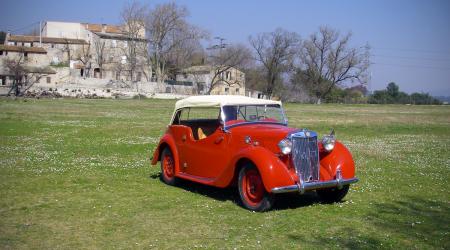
(341, 157)
(166, 141)
(273, 171)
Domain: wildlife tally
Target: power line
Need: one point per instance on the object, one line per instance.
(413, 58)
(411, 66)
(413, 50)
(25, 27)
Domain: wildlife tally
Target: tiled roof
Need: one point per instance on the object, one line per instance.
(29, 39)
(118, 37)
(99, 28)
(37, 50)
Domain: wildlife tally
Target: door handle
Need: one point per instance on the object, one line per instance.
(218, 140)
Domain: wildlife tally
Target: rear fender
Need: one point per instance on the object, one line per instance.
(340, 157)
(273, 171)
(166, 141)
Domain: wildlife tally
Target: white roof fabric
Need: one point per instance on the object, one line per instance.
(220, 101)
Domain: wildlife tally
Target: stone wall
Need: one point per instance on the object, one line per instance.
(78, 87)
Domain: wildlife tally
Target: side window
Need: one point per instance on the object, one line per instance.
(195, 114)
(201, 114)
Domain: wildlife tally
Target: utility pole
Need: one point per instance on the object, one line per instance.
(220, 46)
(40, 33)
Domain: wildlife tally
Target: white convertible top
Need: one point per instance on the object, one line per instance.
(220, 101)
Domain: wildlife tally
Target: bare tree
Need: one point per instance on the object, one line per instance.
(100, 53)
(327, 61)
(23, 77)
(276, 52)
(169, 32)
(133, 17)
(84, 55)
(236, 56)
(67, 49)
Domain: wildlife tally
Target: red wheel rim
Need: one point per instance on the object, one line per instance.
(252, 187)
(168, 166)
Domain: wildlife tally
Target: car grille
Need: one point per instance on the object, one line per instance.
(305, 157)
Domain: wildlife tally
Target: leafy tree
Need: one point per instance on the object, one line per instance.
(393, 95)
(392, 89)
(2, 37)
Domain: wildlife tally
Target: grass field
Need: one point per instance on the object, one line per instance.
(76, 174)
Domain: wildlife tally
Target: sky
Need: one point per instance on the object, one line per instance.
(409, 40)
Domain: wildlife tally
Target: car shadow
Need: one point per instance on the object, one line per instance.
(295, 200)
(282, 202)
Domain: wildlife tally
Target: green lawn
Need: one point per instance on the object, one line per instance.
(76, 174)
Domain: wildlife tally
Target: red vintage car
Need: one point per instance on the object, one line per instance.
(228, 140)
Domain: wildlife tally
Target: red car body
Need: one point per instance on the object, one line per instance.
(218, 159)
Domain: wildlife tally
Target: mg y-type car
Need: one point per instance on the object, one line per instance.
(245, 142)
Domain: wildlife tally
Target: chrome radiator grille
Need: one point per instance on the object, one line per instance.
(305, 156)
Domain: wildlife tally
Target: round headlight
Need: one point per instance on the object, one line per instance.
(328, 142)
(285, 146)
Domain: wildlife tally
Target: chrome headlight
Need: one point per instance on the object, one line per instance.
(285, 146)
(328, 142)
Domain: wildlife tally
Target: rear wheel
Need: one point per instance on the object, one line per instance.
(168, 167)
(331, 195)
(251, 190)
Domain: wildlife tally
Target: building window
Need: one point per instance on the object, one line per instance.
(52, 45)
(31, 44)
(237, 90)
(3, 80)
(226, 90)
(1, 52)
(49, 79)
(15, 43)
(25, 54)
(139, 76)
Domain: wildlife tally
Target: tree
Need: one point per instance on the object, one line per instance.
(133, 17)
(327, 60)
(275, 51)
(68, 50)
(221, 61)
(392, 89)
(392, 95)
(100, 53)
(2, 37)
(24, 76)
(84, 56)
(169, 33)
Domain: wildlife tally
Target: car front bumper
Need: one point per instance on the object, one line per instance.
(303, 187)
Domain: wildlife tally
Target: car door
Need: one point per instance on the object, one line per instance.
(202, 157)
(208, 157)
(182, 135)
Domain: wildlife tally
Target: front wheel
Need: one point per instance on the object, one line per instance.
(330, 195)
(251, 190)
(168, 167)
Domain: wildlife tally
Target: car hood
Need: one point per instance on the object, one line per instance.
(267, 135)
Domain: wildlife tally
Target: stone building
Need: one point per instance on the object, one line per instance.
(89, 50)
(23, 64)
(229, 82)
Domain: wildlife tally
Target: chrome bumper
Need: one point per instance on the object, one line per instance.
(303, 187)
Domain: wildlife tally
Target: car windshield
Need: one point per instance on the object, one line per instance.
(237, 114)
